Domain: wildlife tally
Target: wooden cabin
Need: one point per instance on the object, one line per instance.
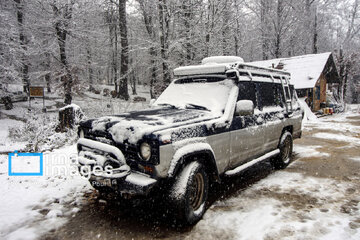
(313, 75)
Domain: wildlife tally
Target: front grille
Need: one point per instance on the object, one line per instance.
(130, 151)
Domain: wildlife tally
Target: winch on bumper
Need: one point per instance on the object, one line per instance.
(105, 166)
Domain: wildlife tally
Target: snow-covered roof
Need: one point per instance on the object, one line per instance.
(305, 70)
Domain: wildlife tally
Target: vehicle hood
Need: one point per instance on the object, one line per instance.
(132, 126)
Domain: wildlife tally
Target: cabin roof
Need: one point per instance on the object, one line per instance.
(305, 70)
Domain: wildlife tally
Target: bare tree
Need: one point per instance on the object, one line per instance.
(63, 15)
(81, 43)
(149, 26)
(111, 22)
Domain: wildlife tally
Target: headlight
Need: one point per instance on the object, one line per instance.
(81, 134)
(145, 151)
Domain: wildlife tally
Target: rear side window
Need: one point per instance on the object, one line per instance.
(247, 92)
(267, 94)
(279, 95)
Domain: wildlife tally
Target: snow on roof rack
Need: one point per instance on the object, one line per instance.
(251, 67)
(217, 68)
(201, 69)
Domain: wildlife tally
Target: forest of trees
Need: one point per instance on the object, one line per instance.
(72, 45)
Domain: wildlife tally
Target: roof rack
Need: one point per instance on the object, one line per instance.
(232, 70)
(247, 66)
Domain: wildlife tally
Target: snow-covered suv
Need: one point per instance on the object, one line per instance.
(213, 121)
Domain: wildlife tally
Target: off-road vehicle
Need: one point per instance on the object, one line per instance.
(214, 120)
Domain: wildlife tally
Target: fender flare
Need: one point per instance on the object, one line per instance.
(185, 153)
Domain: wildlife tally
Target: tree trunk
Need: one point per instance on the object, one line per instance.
(23, 44)
(113, 69)
(132, 76)
(113, 66)
(123, 85)
(342, 71)
(153, 78)
(279, 12)
(67, 78)
(225, 33)
(48, 75)
(186, 9)
(90, 70)
(133, 82)
(164, 34)
(264, 10)
(61, 29)
(315, 36)
(237, 32)
(207, 28)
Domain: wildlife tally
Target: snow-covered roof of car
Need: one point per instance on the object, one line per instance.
(305, 70)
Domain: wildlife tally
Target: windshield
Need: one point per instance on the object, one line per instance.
(197, 94)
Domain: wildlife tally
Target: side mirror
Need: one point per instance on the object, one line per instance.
(244, 108)
(151, 102)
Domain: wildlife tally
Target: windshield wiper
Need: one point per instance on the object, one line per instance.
(167, 104)
(194, 106)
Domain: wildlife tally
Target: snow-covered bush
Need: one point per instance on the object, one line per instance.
(39, 133)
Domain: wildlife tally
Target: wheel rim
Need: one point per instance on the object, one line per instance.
(286, 150)
(197, 191)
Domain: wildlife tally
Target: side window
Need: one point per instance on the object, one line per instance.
(278, 95)
(267, 94)
(247, 92)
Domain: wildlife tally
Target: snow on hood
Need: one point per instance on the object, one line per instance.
(134, 125)
(192, 104)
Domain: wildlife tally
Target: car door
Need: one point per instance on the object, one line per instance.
(274, 111)
(246, 132)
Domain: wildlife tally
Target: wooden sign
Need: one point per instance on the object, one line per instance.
(36, 91)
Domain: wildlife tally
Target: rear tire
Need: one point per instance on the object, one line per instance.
(285, 146)
(189, 193)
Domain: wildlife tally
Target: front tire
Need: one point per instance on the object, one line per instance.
(286, 148)
(189, 193)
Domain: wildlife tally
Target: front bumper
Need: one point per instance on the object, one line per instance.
(95, 157)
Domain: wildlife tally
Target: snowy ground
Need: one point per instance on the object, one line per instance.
(32, 206)
(305, 201)
(316, 197)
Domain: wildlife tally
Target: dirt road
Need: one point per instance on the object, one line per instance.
(316, 197)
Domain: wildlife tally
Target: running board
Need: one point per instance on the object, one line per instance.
(251, 163)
